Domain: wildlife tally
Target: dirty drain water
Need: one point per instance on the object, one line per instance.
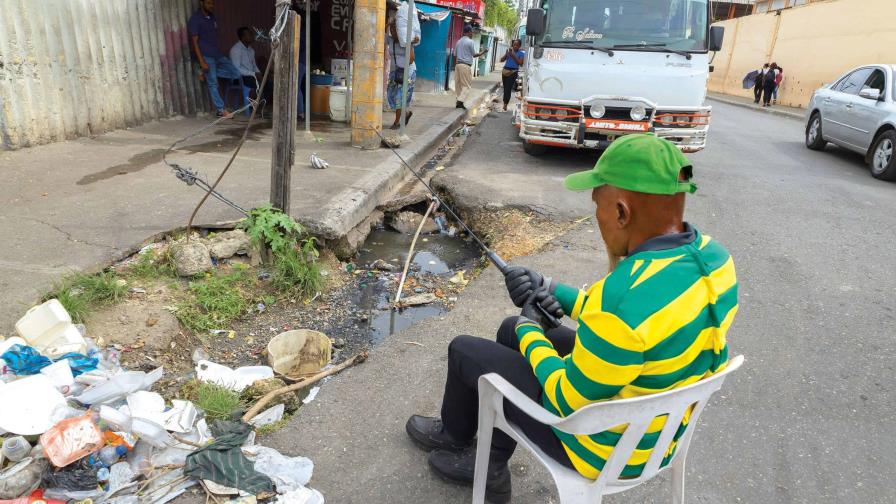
(437, 258)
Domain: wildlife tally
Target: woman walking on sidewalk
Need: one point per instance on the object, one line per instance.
(513, 60)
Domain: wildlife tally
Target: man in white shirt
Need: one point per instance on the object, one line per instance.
(243, 57)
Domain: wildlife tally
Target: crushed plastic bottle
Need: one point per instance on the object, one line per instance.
(112, 454)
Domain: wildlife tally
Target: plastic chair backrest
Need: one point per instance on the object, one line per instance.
(638, 413)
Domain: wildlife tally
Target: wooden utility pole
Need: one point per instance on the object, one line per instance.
(286, 90)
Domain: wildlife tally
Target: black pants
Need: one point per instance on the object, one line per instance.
(468, 359)
(767, 90)
(757, 92)
(509, 82)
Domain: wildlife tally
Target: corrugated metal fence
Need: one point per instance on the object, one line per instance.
(70, 68)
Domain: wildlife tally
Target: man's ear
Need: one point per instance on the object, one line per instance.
(623, 213)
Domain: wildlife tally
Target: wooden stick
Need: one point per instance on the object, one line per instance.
(407, 262)
(261, 403)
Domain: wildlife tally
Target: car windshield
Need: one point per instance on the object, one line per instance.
(653, 24)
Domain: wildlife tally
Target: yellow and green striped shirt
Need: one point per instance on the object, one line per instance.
(655, 323)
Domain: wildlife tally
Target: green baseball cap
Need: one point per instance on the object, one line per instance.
(640, 163)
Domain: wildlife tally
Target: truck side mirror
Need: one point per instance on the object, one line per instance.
(535, 22)
(716, 34)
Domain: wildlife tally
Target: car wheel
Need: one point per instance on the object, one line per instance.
(814, 139)
(534, 149)
(883, 160)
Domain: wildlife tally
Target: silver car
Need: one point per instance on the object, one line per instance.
(858, 112)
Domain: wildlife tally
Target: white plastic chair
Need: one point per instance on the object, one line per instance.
(638, 413)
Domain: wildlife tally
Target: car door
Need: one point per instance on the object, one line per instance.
(833, 106)
(863, 115)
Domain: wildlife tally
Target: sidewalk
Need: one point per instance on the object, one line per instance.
(82, 204)
(741, 101)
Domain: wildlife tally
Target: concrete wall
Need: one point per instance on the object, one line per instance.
(70, 68)
(814, 43)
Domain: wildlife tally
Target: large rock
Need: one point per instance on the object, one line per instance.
(228, 244)
(257, 390)
(407, 223)
(191, 258)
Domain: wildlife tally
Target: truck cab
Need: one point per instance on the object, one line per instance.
(599, 69)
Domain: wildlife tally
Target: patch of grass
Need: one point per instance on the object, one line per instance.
(218, 402)
(271, 427)
(81, 294)
(152, 264)
(214, 302)
(296, 270)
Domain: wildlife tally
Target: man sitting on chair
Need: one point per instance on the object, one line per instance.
(655, 322)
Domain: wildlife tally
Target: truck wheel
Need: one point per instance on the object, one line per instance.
(883, 157)
(814, 138)
(534, 149)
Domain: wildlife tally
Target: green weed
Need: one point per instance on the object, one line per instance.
(214, 302)
(217, 401)
(267, 225)
(81, 294)
(152, 264)
(296, 270)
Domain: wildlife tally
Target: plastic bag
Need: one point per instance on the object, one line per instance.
(401, 25)
(287, 473)
(80, 476)
(71, 439)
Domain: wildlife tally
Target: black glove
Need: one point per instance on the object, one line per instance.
(548, 304)
(522, 282)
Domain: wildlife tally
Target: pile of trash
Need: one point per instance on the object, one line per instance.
(76, 427)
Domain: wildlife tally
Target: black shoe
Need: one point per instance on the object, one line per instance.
(428, 434)
(460, 105)
(458, 468)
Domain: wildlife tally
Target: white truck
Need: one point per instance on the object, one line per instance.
(598, 69)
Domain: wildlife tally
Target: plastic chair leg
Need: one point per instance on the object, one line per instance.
(483, 452)
(677, 471)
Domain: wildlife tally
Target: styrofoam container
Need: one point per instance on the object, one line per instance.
(60, 373)
(49, 329)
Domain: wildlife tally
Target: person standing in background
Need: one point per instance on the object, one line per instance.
(768, 84)
(464, 54)
(778, 78)
(757, 86)
(402, 59)
(512, 59)
(203, 30)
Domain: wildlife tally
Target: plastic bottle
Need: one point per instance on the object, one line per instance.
(102, 474)
(112, 454)
(16, 448)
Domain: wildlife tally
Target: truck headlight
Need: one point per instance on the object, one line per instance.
(598, 111)
(638, 113)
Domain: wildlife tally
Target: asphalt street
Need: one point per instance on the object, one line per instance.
(810, 417)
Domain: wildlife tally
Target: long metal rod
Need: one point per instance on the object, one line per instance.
(307, 66)
(495, 259)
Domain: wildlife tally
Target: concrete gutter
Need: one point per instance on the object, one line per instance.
(354, 204)
(789, 112)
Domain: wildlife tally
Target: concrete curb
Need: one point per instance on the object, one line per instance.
(354, 204)
(751, 106)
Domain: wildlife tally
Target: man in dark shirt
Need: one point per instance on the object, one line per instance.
(203, 30)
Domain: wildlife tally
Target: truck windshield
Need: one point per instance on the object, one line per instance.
(639, 24)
